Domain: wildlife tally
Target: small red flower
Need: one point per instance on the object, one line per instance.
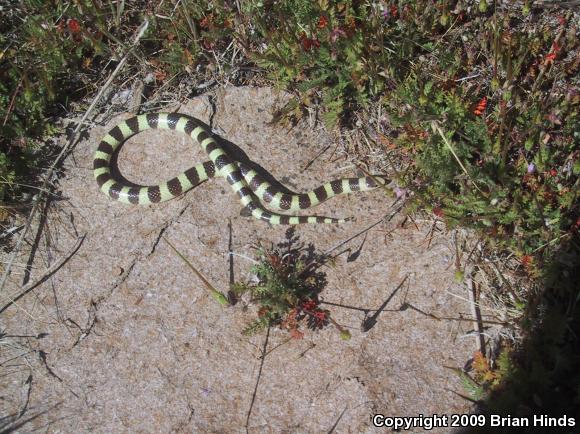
(551, 173)
(527, 260)
(562, 20)
(205, 22)
(315, 43)
(394, 11)
(438, 211)
(308, 43)
(309, 305)
(304, 41)
(74, 26)
(322, 22)
(551, 56)
(319, 316)
(480, 108)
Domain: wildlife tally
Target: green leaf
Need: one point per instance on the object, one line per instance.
(529, 144)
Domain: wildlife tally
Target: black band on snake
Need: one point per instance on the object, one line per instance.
(246, 182)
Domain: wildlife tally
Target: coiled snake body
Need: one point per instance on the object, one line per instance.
(243, 180)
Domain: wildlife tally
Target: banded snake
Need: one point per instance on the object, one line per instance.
(245, 181)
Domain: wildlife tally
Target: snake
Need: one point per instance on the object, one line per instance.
(252, 189)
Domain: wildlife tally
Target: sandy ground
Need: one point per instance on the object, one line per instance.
(130, 341)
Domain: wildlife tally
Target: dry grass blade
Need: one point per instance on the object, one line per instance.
(436, 127)
(475, 310)
(220, 297)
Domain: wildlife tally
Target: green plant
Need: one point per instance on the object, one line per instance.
(485, 379)
(286, 289)
(44, 46)
(327, 52)
(497, 151)
(42, 52)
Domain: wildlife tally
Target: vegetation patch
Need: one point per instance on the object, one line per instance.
(286, 286)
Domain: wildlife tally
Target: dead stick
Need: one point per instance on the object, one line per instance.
(479, 338)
